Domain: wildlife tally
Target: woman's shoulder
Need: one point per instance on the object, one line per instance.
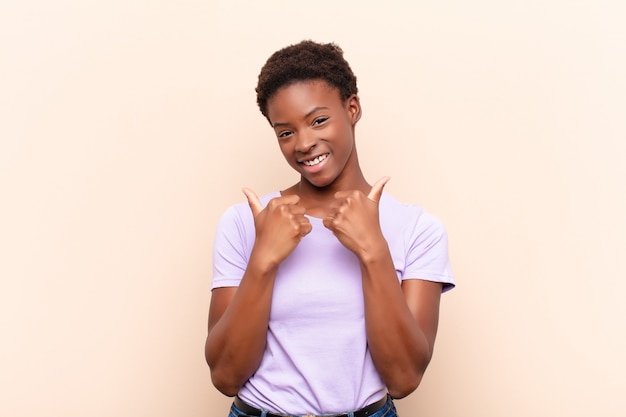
(390, 206)
(241, 213)
(404, 215)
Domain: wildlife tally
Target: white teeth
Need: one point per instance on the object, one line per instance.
(315, 161)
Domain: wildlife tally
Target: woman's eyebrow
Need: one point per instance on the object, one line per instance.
(314, 110)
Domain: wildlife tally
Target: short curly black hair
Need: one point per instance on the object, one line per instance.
(306, 60)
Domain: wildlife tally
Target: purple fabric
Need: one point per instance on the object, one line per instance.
(317, 359)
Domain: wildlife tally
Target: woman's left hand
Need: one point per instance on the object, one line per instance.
(353, 219)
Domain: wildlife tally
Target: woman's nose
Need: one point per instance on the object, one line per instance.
(305, 141)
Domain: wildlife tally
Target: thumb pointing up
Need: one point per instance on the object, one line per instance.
(377, 189)
(253, 201)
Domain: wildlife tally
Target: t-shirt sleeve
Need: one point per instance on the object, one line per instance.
(231, 248)
(427, 252)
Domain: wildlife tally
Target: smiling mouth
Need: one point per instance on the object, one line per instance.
(315, 161)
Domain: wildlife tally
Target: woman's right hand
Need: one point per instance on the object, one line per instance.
(279, 227)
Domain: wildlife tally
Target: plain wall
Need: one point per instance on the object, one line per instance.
(127, 127)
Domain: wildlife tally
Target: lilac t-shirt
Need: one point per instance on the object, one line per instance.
(316, 358)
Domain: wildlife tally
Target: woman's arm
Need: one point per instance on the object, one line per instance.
(239, 317)
(238, 320)
(401, 323)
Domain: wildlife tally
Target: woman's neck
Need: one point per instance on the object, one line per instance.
(317, 200)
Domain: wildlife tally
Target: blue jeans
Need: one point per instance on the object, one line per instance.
(388, 410)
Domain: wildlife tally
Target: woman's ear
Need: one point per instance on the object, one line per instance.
(353, 106)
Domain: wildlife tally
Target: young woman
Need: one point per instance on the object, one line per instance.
(325, 295)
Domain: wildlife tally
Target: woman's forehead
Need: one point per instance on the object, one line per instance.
(299, 95)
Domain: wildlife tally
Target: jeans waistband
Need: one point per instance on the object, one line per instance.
(366, 411)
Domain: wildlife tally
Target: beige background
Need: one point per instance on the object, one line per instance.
(127, 127)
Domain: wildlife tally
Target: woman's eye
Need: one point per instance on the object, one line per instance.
(319, 120)
(284, 134)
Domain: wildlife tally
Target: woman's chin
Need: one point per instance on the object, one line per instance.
(318, 182)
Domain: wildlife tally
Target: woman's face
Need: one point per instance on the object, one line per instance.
(315, 130)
